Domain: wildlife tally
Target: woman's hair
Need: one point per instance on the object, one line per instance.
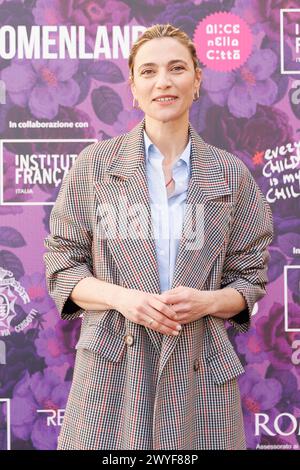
(162, 31)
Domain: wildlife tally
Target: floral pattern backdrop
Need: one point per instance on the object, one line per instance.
(246, 111)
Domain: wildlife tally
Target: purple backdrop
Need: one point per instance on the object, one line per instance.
(52, 106)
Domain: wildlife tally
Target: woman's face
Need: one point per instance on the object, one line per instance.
(170, 71)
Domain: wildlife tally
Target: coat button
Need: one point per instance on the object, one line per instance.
(129, 340)
(196, 364)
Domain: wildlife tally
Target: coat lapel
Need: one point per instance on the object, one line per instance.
(125, 190)
(204, 228)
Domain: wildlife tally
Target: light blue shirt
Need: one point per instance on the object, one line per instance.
(167, 213)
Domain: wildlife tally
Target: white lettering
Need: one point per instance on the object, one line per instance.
(59, 42)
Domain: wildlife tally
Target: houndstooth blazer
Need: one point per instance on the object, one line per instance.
(133, 387)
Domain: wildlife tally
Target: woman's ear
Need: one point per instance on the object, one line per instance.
(199, 76)
(131, 83)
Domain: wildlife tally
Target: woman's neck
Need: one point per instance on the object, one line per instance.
(170, 137)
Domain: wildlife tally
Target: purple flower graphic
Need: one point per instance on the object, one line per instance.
(242, 90)
(52, 12)
(248, 11)
(15, 13)
(277, 342)
(50, 348)
(43, 85)
(287, 209)
(251, 345)
(146, 12)
(266, 12)
(286, 225)
(35, 286)
(268, 128)
(67, 333)
(31, 394)
(290, 398)
(276, 264)
(262, 15)
(184, 14)
(258, 396)
(21, 355)
(88, 13)
(127, 120)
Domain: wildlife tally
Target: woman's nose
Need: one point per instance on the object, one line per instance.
(162, 79)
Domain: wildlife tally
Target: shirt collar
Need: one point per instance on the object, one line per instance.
(150, 147)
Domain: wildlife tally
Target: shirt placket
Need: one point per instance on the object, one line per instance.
(176, 215)
(160, 201)
(165, 226)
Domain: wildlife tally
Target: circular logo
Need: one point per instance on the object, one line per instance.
(223, 41)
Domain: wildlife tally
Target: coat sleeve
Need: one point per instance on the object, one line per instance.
(69, 244)
(247, 256)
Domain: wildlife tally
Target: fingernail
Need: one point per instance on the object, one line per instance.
(175, 333)
(178, 327)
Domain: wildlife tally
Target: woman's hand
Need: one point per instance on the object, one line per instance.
(142, 307)
(188, 303)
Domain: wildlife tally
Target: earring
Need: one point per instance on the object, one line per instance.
(133, 104)
(197, 95)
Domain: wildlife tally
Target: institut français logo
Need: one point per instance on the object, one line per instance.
(10, 291)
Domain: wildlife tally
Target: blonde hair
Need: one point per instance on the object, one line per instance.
(162, 31)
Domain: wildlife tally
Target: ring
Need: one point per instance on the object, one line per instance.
(151, 321)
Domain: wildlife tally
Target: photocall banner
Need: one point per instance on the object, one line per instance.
(64, 85)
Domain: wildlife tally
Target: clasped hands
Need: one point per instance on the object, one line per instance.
(164, 312)
(188, 304)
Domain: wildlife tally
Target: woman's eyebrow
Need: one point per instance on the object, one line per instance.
(148, 64)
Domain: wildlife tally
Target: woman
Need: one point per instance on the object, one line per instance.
(156, 239)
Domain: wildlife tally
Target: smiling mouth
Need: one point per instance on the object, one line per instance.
(166, 100)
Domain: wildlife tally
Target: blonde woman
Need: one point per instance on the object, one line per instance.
(157, 239)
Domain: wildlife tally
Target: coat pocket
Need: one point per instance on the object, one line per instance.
(224, 365)
(103, 341)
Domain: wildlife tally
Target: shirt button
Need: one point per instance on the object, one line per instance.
(129, 340)
(196, 364)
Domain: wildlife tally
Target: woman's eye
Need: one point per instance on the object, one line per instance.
(177, 67)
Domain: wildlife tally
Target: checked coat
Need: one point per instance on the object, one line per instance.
(133, 387)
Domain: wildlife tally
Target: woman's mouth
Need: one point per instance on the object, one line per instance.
(166, 101)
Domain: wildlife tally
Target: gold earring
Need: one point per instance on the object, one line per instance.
(197, 95)
(133, 104)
